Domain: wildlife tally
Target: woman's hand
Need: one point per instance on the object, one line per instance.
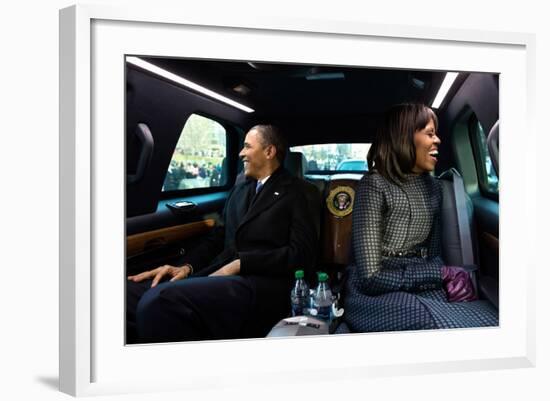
(458, 284)
(177, 273)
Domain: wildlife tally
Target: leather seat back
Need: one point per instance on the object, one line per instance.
(295, 163)
(451, 244)
(454, 249)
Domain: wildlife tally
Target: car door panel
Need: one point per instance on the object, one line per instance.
(161, 237)
(487, 223)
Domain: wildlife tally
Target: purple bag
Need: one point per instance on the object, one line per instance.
(458, 284)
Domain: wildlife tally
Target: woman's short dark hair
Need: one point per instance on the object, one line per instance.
(393, 153)
(271, 135)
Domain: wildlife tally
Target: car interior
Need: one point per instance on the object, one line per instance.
(186, 120)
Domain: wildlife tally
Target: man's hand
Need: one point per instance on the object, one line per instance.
(177, 273)
(230, 269)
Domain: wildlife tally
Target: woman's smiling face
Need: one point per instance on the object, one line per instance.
(426, 143)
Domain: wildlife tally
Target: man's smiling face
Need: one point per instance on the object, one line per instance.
(255, 155)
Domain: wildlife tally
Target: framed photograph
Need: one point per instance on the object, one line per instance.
(101, 51)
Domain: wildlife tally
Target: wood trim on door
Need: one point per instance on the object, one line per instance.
(139, 243)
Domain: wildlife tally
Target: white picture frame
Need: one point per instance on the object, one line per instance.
(93, 358)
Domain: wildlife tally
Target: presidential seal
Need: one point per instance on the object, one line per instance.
(340, 201)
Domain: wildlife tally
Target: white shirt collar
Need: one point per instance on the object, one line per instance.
(263, 180)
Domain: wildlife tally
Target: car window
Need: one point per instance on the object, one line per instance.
(334, 157)
(352, 165)
(198, 160)
(487, 176)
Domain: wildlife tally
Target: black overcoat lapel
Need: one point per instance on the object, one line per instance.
(244, 198)
(274, 190)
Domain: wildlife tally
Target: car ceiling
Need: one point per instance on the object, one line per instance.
(346, 98)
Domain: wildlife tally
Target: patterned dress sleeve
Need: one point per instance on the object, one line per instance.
(367, 236)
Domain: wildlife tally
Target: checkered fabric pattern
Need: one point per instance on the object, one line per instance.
(401, 293)
(458, 314)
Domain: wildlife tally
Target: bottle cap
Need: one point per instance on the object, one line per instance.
(322, 276)
(299, 274)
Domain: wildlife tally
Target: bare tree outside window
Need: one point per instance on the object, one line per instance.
(198, 160)
(335, 156)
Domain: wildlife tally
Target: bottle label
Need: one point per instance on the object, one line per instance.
(323, 313)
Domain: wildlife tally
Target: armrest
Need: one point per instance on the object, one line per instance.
(486, 287)
(473, 271)
(299, 326)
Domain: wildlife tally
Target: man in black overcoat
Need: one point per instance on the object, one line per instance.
(236, 283)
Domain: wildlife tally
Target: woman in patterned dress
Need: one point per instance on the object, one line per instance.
(396, 278)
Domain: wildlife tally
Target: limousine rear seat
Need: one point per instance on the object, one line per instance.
(458, 237)
(459, 242)
(295, 163)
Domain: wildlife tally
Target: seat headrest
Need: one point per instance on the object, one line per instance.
(295, 163)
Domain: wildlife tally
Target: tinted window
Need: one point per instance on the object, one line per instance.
(335, 156)
(486, 173)
(198, 160)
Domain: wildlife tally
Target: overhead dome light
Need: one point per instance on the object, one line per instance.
(444, 89)
(241, 89)
(185, 82)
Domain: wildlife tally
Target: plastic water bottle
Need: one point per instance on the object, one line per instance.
(299, 295)
(322, 299)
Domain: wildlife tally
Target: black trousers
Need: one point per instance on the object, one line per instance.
(202, 308)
